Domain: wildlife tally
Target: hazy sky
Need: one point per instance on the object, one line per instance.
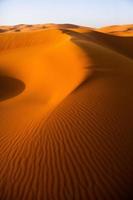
(83, 12)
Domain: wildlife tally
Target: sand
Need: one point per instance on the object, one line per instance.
(125, 30)
(66, 110)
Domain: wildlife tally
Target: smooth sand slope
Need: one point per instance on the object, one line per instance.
(66, 113)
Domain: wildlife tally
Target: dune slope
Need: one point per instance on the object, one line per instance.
(66, 113)
(121, 30)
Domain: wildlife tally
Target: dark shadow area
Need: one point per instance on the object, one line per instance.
(123, 45)
(129, 29)
(10, 87)
(69, 26)
(102, 67)
(29, 26)
(2, 30)
(17, 30)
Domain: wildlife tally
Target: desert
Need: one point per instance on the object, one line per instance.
(66, 110)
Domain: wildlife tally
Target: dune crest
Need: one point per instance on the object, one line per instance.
(65, 113)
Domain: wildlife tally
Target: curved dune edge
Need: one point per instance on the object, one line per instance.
(68, 135)
(10, 87)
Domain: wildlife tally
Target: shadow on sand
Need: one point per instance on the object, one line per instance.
(10, 87)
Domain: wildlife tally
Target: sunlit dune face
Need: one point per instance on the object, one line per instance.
(49, 64)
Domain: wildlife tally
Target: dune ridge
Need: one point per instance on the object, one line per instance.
(66, 130)
(125, 30)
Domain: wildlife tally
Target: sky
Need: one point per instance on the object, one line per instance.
(94, 13)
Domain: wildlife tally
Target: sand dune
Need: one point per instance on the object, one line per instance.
(10, 87)
(125, 30)
(66, 113)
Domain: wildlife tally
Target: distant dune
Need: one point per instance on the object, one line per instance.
(126, 30)
(66, 112)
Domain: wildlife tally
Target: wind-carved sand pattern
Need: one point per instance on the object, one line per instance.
(66, 130)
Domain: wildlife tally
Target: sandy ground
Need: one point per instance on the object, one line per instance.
(66, 112)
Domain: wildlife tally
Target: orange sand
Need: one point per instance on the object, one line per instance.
(66, 110)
